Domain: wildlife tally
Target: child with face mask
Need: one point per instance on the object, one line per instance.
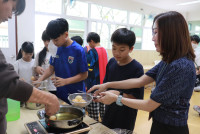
(195, 42)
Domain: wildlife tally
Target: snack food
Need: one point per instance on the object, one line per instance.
(53, 117)
(82, 100)
(63, 103)
(33, 78)
(78, 98)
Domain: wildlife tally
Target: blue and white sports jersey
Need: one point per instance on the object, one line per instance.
(69, 61)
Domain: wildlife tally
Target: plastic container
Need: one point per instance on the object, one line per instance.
(13, 110)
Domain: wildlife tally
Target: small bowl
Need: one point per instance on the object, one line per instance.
(87, 97)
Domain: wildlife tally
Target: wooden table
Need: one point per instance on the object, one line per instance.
(26, 115)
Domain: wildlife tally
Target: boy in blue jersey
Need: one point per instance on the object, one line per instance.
(69, 65)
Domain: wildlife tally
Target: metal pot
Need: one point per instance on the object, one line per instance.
(68, 117)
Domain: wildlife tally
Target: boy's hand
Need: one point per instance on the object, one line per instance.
(59, 82)
(108, 97)
(100, 88)
(114, 92)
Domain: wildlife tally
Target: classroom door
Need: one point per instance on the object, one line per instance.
(8, 43)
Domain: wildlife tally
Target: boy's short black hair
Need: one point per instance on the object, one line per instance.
(124, 36)
(57, 27)
(195, 38)
(45, 37)
(21, 4)
(93, 36)
(78, 39)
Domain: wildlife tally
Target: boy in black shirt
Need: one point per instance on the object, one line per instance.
(122, 67)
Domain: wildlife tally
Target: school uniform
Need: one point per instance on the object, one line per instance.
(69, 61)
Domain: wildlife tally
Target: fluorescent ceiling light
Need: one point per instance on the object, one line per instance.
(189, 3)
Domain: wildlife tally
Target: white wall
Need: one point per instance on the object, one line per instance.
(26, 24)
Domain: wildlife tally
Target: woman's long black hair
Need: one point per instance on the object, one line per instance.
(43, 52)
(27, 47)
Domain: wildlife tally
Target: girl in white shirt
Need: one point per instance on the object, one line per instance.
(24, 64)
(42, 61)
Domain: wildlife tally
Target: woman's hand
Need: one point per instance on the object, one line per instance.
(100, 88)
(59, 82)
(39, 70)
(108, 97)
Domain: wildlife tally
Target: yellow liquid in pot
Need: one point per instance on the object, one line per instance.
(66, 116)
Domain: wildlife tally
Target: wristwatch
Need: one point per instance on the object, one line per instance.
(118, 102)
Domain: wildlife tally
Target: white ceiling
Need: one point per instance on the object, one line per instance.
(172, 5)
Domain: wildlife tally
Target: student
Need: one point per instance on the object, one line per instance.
(10, 85)
(122, 67)
(195, 42)
(24, 64)
(69, 65)
(174, 75)
(92, 43)
(42, 61)
(78, 39)
(97, 61)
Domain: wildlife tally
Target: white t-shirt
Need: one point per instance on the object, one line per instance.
(45, 65)
(24, 69)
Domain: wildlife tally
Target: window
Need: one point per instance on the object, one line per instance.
(48, 6)
(4, 35)
(148, 20)
(41, 22)
(103, 20)
(76, 28)
(147, 43)
(197, 28)
(194, 27)
(138, 34)
(103, 30)
(135, 19)
(78, 9)
(108, 14)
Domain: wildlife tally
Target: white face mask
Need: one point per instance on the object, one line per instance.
(52, 48)
(194, 46)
